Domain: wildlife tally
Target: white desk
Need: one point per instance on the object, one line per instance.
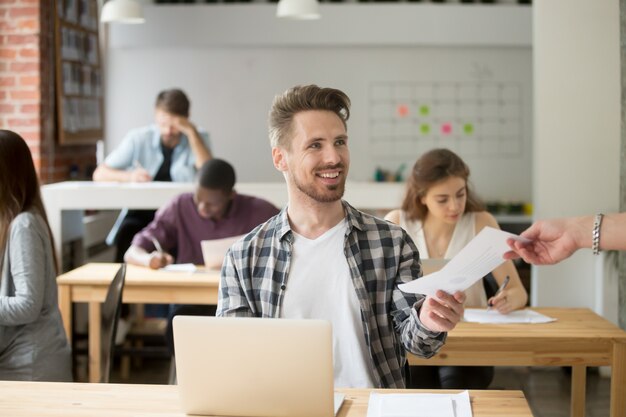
(82, 195)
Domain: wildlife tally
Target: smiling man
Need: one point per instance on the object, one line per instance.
(321, 258)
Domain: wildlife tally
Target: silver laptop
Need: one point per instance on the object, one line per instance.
(254, 367)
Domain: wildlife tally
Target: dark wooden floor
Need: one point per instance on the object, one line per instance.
(547, 389)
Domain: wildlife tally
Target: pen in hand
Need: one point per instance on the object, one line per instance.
(157, 245)
(139, 173)
(159, 258)
(502, 287)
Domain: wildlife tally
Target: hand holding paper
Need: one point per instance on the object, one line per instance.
(443, 312)
(480, 256)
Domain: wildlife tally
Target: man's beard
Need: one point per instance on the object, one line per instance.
(334, 192)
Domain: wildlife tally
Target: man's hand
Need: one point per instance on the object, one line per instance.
(198, 147)
(160, 259)
(443, 312)
(139, 175)
(551, 242)
(185, 126)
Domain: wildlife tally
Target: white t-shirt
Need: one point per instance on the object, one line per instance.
(320, 287)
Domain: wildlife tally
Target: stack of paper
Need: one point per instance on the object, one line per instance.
(482, 315)
(419, 405)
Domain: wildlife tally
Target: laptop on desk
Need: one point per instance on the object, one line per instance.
(254, 367)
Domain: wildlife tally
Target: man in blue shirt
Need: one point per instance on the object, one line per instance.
(171, 149)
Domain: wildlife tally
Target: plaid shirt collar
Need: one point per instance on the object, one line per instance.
(353, 216)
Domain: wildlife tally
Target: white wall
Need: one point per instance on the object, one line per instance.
(577, 133)
(233, 59)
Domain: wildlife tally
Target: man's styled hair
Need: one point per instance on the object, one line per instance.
(302, 98)
(217, 174)
(173, 101)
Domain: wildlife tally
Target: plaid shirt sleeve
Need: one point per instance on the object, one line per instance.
(414, 336)
(232, 300)
(254, 269)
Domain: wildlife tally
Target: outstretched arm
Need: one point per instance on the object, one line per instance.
(557, 239)
(106, 173)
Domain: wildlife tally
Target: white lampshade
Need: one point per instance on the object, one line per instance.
(122, 11)
(298, 9)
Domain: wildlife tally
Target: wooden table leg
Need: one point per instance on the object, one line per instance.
(618, 380)
(94, 341)
(579, 382)
(65, 307)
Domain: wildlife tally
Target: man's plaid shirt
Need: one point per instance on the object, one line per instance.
(380, 256)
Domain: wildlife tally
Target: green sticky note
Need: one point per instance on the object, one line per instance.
(468, 128)
(424, 110)
(425, 129)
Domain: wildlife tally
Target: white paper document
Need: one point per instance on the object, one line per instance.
(482, 315)
(338, 400)
(419, 405)
(479, 257)
(180, 268)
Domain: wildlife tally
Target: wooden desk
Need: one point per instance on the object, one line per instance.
(50, 399)
(89, 283)
(579, 338)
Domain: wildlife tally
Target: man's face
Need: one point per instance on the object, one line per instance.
(211, 203)
(317, 161)
(168, 127)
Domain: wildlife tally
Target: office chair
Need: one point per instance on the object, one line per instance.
(110, 315)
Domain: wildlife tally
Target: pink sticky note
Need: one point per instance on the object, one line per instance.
(446, 128)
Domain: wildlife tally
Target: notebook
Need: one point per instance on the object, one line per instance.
(213, 251)
(254, 367)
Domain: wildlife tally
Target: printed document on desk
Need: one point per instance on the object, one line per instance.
(419, 405)
(479, 257)
(180, 268)
(483, 315)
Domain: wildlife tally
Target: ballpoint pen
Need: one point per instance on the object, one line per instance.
(157, 245)
(502, 287)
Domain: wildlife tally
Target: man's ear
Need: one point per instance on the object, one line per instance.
(278, 157)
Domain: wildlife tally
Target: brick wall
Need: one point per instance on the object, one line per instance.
(27, 88)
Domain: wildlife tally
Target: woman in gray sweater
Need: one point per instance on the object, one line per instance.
(33, 345)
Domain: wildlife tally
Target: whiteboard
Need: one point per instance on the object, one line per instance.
(231, 89)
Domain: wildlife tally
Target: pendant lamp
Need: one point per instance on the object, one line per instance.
(122, 11)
